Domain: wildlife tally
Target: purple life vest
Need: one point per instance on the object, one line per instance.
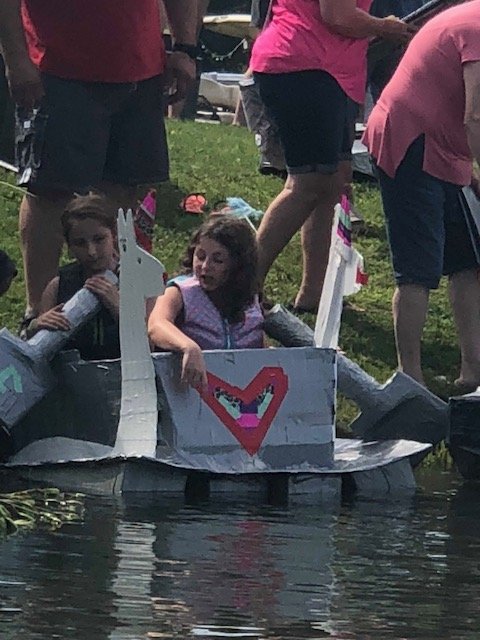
(203, 323)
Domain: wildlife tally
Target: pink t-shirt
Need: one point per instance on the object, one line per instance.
(426, 95)
(297, 39)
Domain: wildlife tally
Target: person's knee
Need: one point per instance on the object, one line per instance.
(413, 287)
(346, 172)
(315, 189)
(120, 195)
(41, 210)
(467, 274)
(46, 200)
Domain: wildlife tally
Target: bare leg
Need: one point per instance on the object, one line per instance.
(316, 235)
(121, 196)
(409, 306)
(41, 241)
(301, 194)
(464, 292)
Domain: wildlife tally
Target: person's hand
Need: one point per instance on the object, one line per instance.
(24, 81)
(180, 72)
(106, 292)
(475, 183)
(53, 319)
(194, 371)
(395, 29)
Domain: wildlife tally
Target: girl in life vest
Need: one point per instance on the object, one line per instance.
(212, 305)
(89, 228)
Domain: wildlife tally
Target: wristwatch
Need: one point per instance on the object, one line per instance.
(190, 49)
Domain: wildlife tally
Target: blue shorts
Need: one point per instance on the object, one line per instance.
(314, 116)
(426, 227)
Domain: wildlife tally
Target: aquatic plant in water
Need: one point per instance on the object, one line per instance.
(50, 508)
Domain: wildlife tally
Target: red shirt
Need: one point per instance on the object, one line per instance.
(95, 40)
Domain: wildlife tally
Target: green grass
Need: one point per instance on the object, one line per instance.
(221, 161)
(49, 508)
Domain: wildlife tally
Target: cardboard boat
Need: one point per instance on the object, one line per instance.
(265, 426)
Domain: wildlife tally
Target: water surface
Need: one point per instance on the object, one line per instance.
(145, 567)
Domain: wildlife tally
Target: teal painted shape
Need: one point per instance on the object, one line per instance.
(264, 404)
(10, 372)
(232, 409)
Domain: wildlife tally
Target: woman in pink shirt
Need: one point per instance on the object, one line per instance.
(310, 65)
(423, 133)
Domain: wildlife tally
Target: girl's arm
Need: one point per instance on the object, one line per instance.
(346, 19)
(163, 333)
(51, 316)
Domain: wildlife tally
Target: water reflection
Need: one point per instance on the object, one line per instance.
(240, 574)
(144, 568)
(65, 589)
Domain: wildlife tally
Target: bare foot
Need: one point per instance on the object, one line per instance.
(465, 386)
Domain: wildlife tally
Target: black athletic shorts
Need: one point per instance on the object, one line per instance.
(315, 119)
(85, 133)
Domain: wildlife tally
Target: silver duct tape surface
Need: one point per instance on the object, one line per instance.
(84, 407)
(265, 410)
(400, 408)
(77, 421)
(25, 375)
(24, 378)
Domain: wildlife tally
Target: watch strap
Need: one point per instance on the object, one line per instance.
(190, 49)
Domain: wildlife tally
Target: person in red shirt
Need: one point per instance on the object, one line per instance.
(88, 78)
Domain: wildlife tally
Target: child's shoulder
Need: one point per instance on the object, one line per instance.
(180, 280)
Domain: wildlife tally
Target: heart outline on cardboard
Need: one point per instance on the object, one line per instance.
(247, 413)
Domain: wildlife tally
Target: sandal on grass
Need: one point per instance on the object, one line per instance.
(194, 203)
(299, 310)
(25, 323)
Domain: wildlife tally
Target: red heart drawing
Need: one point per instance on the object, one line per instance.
(248, 413)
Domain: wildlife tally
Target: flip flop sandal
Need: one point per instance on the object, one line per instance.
(194, 203)
(24, 324)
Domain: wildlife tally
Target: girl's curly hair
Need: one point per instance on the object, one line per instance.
(238, 238)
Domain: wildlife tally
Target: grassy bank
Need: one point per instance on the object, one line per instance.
(221, 161)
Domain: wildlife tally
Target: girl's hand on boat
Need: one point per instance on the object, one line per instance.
(194, 371)
(106, 291)
(53, 319)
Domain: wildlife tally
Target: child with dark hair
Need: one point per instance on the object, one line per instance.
(213, 304)
(89, 228)
(8, 271)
